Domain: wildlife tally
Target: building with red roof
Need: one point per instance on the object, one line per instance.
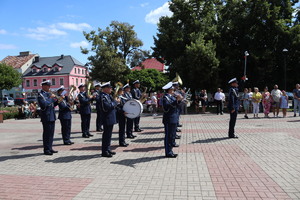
(150, 63)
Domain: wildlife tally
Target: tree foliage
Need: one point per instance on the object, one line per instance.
(9, 77)
(150, 78)
(205, 41)
(112, 49)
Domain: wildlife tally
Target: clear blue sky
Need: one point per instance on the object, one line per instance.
(52, 28)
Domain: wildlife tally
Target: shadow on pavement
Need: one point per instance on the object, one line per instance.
(14, 157)
(147, 140)
(68, 159)
(153, 127)
(144, 149)
(88, 148)
(211, 140)
(293, 121)
(133, 162)
(32, 147)
(152, 132)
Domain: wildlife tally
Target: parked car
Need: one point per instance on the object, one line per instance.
(31, 99)
(8, 101)
(19, 101)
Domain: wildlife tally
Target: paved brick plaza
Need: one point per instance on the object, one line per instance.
(264, 163)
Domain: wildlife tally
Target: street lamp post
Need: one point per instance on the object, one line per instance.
(245, 68)
(284, 53)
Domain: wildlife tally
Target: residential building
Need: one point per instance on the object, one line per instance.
(60, 70)
(151, 63)
(20, 63)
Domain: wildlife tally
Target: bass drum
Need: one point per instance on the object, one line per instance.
(133, 108)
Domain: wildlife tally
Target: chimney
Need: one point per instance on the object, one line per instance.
(25, 53)
(62, 56)
(37, 59)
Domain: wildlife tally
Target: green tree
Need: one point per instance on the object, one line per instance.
(150, 78)
(112, 48)
(9, 77)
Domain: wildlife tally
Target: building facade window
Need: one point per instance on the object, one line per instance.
(77, 81)
(27, 83)
(80, 80)
(61, 81)
(34, 82)
(75, 70)
(33, 70)
(45, 69)
(53, 81)
(78, 71)
(83, 71)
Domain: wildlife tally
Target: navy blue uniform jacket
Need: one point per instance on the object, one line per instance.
(170, 106)
(85, 106)
(64, 109)
(136, 93)
(233, 102)
(47, 105)
(107, 108)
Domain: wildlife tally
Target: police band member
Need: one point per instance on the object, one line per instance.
(233, 106)
(85, 111)
(129, 121)
(98, 119)
(47, 101)
(170, 118)
(136, 94)
(177, 92)
(108, 116)
(121, 118)
(64, 116)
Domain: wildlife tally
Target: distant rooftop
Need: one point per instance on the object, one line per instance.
(18, 61)
(151, 63)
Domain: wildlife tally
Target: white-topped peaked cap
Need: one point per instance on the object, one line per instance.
(137, 81)
(175, 83)
(126, 86)
(107, 84)
(232, 80)
(81, 85)
(61, 88)
(47, 82)
(168, 86)
(96, 83)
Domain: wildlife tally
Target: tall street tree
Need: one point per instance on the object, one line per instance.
(112, 50)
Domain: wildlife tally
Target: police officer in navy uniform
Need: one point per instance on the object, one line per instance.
(98, 119)
(47, 102)
(178, 92)
(136, 94)
(121, 118)
(233, 106)
(170, 118)
(65, 116)
(108, 116)
(129, 121)
(85, 111)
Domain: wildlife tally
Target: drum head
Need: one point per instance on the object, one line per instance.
(132, 108)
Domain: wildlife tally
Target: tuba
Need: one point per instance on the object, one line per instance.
(71, 98)
(144, 96)
(177, 79)
(118, 86)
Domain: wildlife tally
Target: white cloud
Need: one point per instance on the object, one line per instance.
(144, 4)
(44, 33)
(79, 44)
(73, 26)
(2, 31)
(7, 46)
(154, 15)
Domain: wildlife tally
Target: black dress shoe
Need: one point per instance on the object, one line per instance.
(85, 136)
(179, 125)
(68, 143)
(172, 155)
(52, 151)
(72, 142)
(90, 135)
(176, 145)
(178, 130)
(177, 136)
(234, 137)
(137, 130)
(48, 153)
(101, 129)
(111, 152)
(123, 144)
(106, 154)
(131, 136)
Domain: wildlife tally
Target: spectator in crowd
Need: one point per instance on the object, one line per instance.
(197, 103)
(276, 94)
(149, 104)
(250, 99)
(26, 110)
(219, 98)
(183, 104)
(33, 109)
(256, 99)
(284, 102)
(246, 102)
(203, 99)
(296, 93)
(267, 102)
(154, 104)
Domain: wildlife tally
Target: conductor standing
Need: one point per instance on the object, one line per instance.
(233, 106)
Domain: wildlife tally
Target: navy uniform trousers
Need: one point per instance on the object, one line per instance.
(48, 134)
(98, 120)
(232, 121)
(170, 132)
(66, 129)
(85, 123)
(122, 124)
(129, 126)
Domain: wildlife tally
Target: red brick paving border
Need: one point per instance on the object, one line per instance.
(40, 187)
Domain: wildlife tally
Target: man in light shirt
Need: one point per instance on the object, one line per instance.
(219, 98)
(276, 94)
